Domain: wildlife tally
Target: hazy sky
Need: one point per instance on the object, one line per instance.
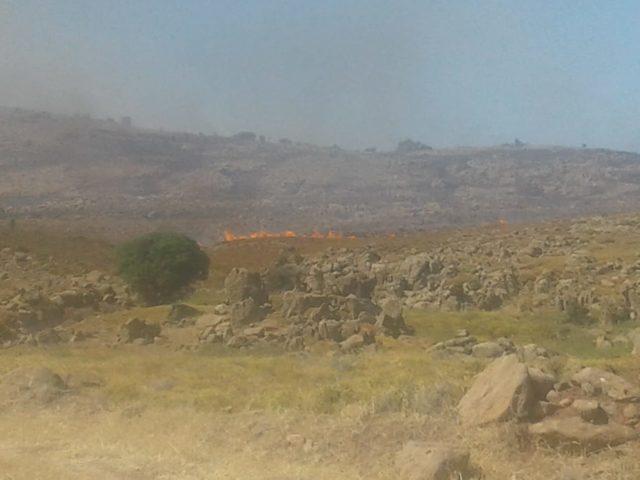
(355, 73)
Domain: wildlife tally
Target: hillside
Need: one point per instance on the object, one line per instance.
(110, 178)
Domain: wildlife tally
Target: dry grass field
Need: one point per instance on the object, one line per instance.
(154, 413)
(161, 412)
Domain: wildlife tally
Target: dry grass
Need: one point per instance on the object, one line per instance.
(130, 429)
(164, 414)
(71, 254)
(398, 379)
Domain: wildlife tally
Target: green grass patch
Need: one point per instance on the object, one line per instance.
(549, 329)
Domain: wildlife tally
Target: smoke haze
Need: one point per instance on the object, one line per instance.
(353, 73)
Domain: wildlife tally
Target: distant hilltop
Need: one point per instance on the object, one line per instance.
(113, 177)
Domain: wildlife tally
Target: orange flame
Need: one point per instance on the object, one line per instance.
(229, 236)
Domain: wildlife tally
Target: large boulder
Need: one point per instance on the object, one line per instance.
(424, 461)
(575, 433)
(242, 284)
(503, 391)
(610, 384)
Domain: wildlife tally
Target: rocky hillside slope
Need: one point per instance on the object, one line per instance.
(118, 179)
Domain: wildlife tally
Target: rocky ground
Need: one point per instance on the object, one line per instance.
(39, 307)
(495, 353)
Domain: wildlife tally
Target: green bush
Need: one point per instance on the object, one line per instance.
(159, 266)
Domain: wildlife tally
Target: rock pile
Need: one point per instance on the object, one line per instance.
(465, 344)
(593, 410)
(536, 268)
(334, 294)
(334, 302)
(34, 302)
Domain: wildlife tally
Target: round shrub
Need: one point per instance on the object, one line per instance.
(159, 266)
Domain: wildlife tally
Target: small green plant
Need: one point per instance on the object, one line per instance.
(159, 266)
